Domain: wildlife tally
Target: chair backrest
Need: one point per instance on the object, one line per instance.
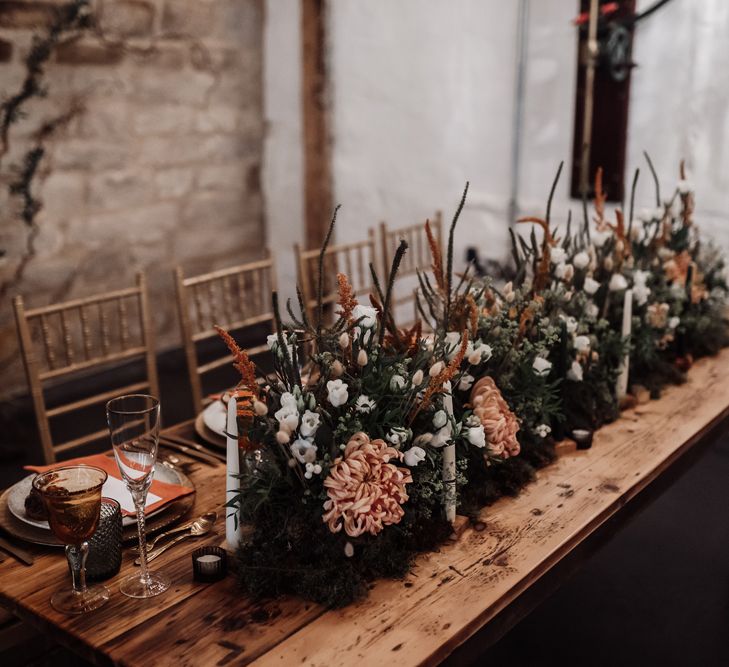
(233, 298)
(77, 336)
(353, 259)
(417, 258)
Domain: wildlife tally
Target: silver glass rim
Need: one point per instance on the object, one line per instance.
(111, 410)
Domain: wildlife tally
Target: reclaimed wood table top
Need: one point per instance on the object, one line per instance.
(449, 595)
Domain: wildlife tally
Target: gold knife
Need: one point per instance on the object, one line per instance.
(170, 437)
(189, 451)
(16, 552)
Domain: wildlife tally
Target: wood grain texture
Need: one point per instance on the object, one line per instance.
(449, 595)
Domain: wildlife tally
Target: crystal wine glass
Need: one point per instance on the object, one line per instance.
(134, 426)
(72, 497)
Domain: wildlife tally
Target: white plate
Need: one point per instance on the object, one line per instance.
(215, 417)
(19, 492)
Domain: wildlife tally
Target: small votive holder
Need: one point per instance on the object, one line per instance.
(105, 546)
(209, 564)
(583, 438)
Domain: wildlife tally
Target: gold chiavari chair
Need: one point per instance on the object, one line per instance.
(352, 259)
(234, 298)
(77, 336)
(417, 258)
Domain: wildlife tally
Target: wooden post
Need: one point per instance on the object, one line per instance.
(318, 202)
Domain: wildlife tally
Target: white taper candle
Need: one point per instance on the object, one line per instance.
(449, 460)
(621, 388)
(232, 483)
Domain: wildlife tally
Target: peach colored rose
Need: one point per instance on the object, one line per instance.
(498, 420)
(365, 490)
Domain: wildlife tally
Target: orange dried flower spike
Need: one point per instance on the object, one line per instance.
(542, 278)
(619, 231)
(345, 297)
(241, 362)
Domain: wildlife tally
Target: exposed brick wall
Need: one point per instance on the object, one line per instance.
(161, 167)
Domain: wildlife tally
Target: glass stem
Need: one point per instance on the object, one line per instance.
(139, 502)
(76, 555)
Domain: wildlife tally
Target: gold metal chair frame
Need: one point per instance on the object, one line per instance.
(80, 355)
(353, 259)
(416, 259)
(225, 293)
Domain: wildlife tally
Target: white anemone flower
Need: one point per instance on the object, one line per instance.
(542, 366)
(304, 451)
(309, 424)
(364, 404)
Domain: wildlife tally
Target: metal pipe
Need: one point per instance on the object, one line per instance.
(522, 31)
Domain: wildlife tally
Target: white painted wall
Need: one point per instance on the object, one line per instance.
(680, 102)
(422, 99)
(283, 149)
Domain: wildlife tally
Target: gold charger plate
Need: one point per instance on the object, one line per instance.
(158, 521)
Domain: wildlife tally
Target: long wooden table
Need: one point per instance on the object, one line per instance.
(449, 596)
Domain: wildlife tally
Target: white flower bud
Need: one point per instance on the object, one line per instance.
(362, 358)
(344, 340)
(282, 438)
(581, 260)
(557, 255)
(337, 368)
(436, 369)
(617, 282)
(439, 419)
(417, 378)
(684, 186)
(608, 263)
(474, 358)
(260, 408)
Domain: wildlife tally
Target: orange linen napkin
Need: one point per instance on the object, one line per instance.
(166, 492)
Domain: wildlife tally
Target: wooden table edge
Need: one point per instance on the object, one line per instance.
(568, 548)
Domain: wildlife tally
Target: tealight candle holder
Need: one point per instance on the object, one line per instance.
(583, 438)
(209, 564)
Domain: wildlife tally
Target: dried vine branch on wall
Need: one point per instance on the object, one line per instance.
(69, 23)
